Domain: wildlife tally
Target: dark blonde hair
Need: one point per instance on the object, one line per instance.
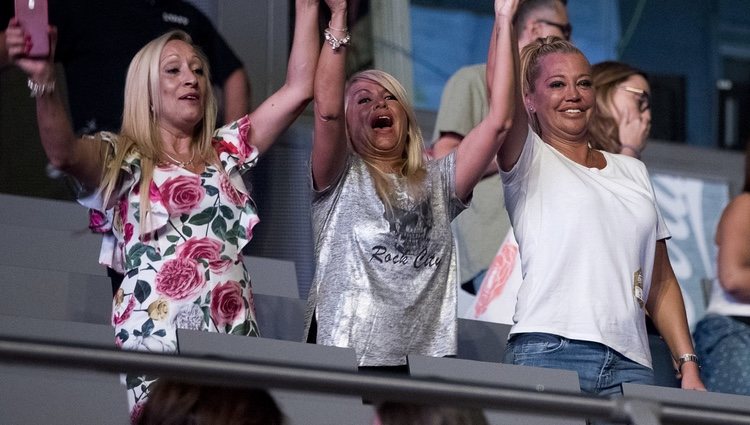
(531, 56)
(182, 403)
(413, 160)
(603, 128)
(140, 131)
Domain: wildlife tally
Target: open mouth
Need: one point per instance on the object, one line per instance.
(190, 97)
(382, 121)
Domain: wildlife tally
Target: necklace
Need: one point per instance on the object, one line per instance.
(182, 164)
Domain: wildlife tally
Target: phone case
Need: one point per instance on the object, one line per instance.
(32, 15)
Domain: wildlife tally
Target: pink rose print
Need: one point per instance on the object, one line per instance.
(120, 318)
(221, 145)
(98, 222)
(182, 194)
(227, 303)
(128, 232)
(137, 411)
(234, 196)
(179, 279)
(203, 248)
(153, 192)
(122, 206)
(249, 231)
(246, 149)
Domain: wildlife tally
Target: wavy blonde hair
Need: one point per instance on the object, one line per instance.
(412, 165)
(140, 131)
(531, 56)
(603, 128)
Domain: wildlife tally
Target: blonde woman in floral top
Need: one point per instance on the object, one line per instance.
(171, 187)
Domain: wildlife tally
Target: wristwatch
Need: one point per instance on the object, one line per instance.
(685, 358)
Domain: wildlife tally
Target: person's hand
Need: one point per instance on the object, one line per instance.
(506, 8)
(690, 377)
(19, 44)
(633, 129)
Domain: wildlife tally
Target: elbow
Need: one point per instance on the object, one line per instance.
(734, 285)
(326, 112)
(502, 127)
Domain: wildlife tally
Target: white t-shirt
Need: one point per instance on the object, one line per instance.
(587, 239)
(725, 304)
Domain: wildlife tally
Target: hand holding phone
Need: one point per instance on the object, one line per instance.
(33, 17)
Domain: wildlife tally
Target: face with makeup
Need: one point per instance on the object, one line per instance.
(563, 96)
(182, 87)
(376, 121)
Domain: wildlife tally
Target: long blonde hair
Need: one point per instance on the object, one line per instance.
(412, 166)
(531, 56)
(140, 133)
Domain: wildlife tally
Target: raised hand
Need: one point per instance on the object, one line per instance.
(506, 7)
(19, 45)
(633, 130)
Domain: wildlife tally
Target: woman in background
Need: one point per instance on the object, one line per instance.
(722, 337)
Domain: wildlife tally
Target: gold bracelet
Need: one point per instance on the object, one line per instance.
(40, 89)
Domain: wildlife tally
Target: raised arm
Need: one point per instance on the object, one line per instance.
(278, 112)
(733, 239)
(510, 151)
(329, 142)
(667, 309)
(479, 147)
(65, 151)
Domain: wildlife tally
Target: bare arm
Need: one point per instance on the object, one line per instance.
(667, 309)
(65, 151)
(733, 239)
(236, 95)
(329, 141)
(4, 60)
(278, 112)
(510, 151)
(480, 146)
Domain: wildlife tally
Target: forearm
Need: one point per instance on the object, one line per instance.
(304, 54)
(667, 310)
(329, 142)
(236, 96)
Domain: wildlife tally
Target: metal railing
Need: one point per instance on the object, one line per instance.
(230, 372)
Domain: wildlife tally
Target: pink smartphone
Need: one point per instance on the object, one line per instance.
(32, 15)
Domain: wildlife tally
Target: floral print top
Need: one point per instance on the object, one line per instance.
(185, 270)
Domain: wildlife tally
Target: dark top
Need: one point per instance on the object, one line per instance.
(97, 40)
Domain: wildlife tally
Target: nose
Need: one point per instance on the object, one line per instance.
(573, 93)
(191, 78)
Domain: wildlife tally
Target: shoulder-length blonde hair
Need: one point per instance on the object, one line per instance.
(603, 128)
(413, 160)
(531, 56)
(140, 130)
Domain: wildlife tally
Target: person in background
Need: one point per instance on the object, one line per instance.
(95, 57)
(480, 230)
(587, 284)
(384, 284)
(393, 413)
(182, 403)
(172, 184)
(95, 71)
(622, 120)
(722, 336)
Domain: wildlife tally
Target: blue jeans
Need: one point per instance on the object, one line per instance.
(723, 346)
(600, 369)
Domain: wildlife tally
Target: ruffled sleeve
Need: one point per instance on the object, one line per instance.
(233, 145)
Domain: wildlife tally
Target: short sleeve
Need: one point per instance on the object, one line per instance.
(463, 103)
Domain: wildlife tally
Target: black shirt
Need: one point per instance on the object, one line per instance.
(98, 38)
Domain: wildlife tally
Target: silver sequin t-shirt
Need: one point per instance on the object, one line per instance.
(385, 280)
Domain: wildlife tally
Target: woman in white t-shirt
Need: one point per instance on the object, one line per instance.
(591, 237)
(722, 337)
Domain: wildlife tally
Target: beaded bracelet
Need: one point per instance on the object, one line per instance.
(40, 89)
(336, 43)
